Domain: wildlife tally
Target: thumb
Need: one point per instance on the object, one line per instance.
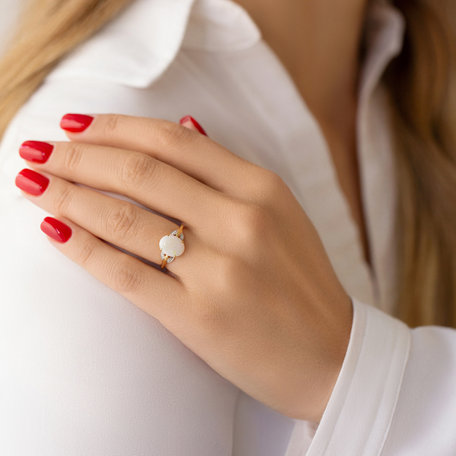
(190, 123)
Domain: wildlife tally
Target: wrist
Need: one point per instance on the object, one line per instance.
(332, 367)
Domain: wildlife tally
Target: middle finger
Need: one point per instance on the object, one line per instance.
(145, 179)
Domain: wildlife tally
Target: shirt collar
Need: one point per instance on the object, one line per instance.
(137, 47)
(384, 29)
(224, 25)
(220, 25)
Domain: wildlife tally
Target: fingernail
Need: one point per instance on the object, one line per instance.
(76, 123)
(35, 151)
(194, 122)
(56, 229)
(31, 182)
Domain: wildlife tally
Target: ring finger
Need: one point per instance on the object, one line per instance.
(118, 222)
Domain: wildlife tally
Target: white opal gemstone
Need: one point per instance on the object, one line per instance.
(171, 246)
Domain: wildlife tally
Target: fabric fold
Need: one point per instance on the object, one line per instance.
(132, 56)
(365, 395)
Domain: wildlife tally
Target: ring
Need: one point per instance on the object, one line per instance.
(172, 246)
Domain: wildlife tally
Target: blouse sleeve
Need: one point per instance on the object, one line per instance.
(395, 394)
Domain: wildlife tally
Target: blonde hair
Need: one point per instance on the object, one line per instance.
(421, 82)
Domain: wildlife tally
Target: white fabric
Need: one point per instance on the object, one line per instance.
(84, 372)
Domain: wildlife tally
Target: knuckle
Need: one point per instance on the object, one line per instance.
(171, 134)
(137, 168)
(126, 278)
(73, 156)
(111, 124)
(63, 199)
(268, 185)
(121, 223)
(86, 253)
(272, 181)
(252, 221)
(210, 315)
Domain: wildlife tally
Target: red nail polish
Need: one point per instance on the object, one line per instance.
(56, 229)
(31, 182)
(35, 151)
(76, 123)
(194, 122)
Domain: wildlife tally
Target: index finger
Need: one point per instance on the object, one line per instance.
(186, 150)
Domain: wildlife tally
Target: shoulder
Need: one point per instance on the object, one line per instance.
(121, 68)
(106, 73)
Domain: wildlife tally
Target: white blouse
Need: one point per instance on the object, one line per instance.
(85, 372)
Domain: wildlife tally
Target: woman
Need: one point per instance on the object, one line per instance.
(262, 336)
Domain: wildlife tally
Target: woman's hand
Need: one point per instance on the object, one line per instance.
(254, 293)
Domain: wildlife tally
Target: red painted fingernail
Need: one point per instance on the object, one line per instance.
(56, 229)
(75, 122)
(35, 151)
(194, 122)
(31, 182)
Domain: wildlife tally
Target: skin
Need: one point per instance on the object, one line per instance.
(259, 301)
(324, 67)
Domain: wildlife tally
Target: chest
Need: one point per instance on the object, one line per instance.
(344, 156)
